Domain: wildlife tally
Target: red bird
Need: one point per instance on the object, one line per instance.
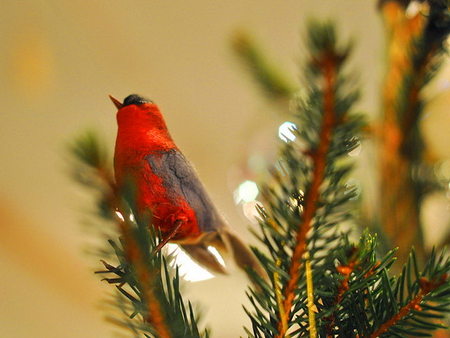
(169, 193)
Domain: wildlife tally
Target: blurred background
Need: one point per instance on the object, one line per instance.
(59, 60)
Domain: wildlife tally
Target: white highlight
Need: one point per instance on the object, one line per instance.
(285, 131)
(413, 9)
(216, 254)
(247, 191)
(187, 268)
(118, 214)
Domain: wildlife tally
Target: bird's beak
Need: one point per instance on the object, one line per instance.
(116, 102)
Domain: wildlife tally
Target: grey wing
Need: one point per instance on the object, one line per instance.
(181, 181)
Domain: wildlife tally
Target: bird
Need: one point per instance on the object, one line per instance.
(168, 192)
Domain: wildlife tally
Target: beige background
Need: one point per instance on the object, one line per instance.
(58, 62)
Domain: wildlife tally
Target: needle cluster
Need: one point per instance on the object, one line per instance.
(320, 282)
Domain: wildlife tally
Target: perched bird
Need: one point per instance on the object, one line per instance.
(168, 191)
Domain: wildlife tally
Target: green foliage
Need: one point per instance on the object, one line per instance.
(178, 316)
(308, 197)
(273, 83)
(305, 207)
(90, 150)
(426, 54)
(322, 280)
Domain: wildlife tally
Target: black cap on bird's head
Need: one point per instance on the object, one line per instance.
(135, 99)
(129, 100)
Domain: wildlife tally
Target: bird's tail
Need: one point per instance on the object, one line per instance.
(200, 253)
(226, 243)
(242, 254)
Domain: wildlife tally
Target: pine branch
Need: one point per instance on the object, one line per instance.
(351, 264)
(304, 206)
(418, 297)
(327, 61)
(271, 81)
(310, 194)
(91, 166)
(346, 289)
(137, 259)
(310, 297)
(416, 48)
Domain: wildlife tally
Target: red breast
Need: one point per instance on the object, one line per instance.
(141, 132)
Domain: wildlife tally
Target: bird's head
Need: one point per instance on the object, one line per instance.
(139, 114)
(133, 99)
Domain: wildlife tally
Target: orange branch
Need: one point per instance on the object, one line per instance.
(146, 282)
(399, 209)
(328, 65)
(145, 279)
(412, 305)
(346, 271)
(425, 288)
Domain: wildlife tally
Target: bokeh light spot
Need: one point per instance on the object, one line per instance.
(247, 191)
(285, 131)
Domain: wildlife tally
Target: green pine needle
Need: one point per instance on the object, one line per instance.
(271, 81)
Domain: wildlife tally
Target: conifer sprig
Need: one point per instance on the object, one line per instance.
(308, 195)
(304, 206)
(416, 46)
(325, 64)
(416, 300)
(271, 81)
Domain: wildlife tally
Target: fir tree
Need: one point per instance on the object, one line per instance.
(321, 280)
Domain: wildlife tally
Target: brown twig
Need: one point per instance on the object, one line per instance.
(344, 286)
(345, 271)
(145, 278)
(399, 201)
(135, 257)
(426, 287)
(328, 64)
